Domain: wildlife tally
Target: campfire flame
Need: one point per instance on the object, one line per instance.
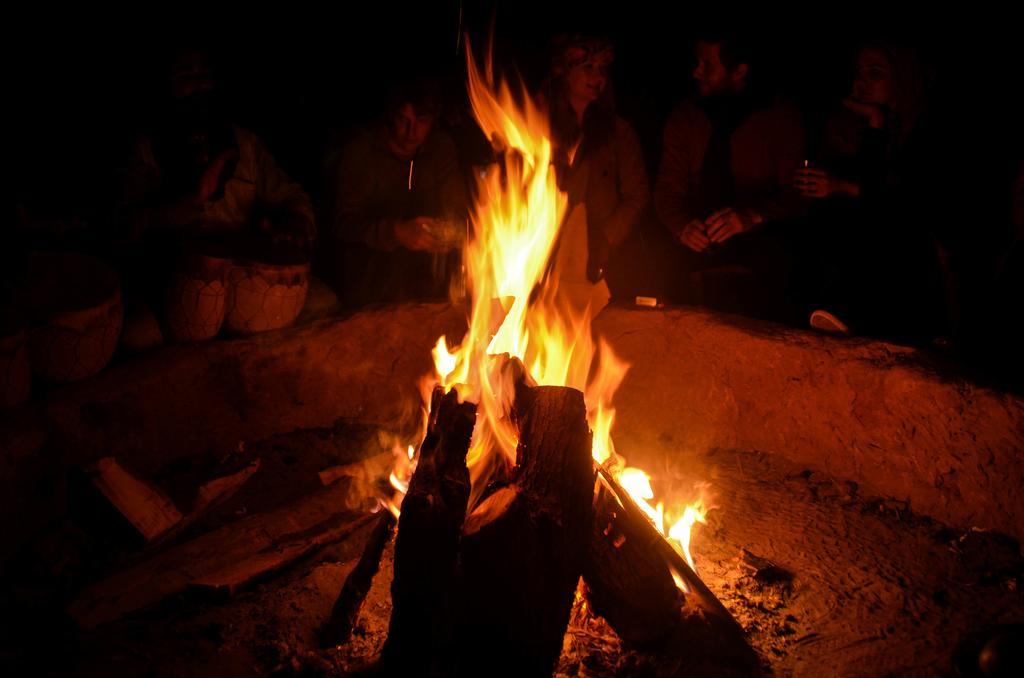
(401, 474)
(517, 308)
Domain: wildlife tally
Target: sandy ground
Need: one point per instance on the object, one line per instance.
(824, 580)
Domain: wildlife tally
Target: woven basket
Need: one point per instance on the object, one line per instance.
(76, 305)
(196, 298)
(265, 296)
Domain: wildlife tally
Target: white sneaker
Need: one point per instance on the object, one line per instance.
(826, 322)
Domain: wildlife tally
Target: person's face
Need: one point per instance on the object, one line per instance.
(872, 82)
(587, 81)
(409, 130)
(712, 77)
(190, 75)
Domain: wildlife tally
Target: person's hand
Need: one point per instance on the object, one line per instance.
(817, 183)
(184, 213)
(598, 254)
(415, 234)
(811, 182)
(449, 233)
(694, 236)
(726, 223)
(872, 113)
(216, 175)
(293, 230)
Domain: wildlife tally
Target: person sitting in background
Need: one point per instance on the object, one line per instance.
(994, 341)
(875, 225)
(198, 181)
(197, 173)
(598, 160)
(396, 204)
(723, 187)
(1018, 205)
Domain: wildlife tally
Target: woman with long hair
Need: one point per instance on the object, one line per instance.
(598, 161)
(878, 216)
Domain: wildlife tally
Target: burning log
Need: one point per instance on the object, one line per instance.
(625, 581)
(513, 372)
(426, 548)
(714, 641)
(523, 548)
(650, 537)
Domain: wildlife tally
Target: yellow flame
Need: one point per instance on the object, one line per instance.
(401, 474)
(599, 393)
(637, 484)
(515, 227)
(518, 309)
(395, 509)
(682, 531)
(444, 361)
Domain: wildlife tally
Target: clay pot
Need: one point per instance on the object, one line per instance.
(75, 301)
(196, 297)
(266, 293)
(15, 369)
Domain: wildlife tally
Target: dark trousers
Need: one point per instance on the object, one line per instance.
(879, 273)
(748, 274)
(361, 275)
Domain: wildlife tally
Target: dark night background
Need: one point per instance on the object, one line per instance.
(83, 85)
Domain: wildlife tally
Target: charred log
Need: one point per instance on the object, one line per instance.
(707, 640)
(651, 538)
(523, 548)
(627, 582)
(426, 548)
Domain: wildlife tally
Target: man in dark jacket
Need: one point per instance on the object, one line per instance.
(397, 204)
(727, 161)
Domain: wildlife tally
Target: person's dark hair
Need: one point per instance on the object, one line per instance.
(734, 48)
(190, 66)
(423, 93)
(909, 84)
(599, 120)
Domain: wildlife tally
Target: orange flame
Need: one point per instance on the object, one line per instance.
(638, 484)
(401, 474)
(517, 307)
(681, 532)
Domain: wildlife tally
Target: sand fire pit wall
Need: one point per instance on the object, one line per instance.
(858, 410)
